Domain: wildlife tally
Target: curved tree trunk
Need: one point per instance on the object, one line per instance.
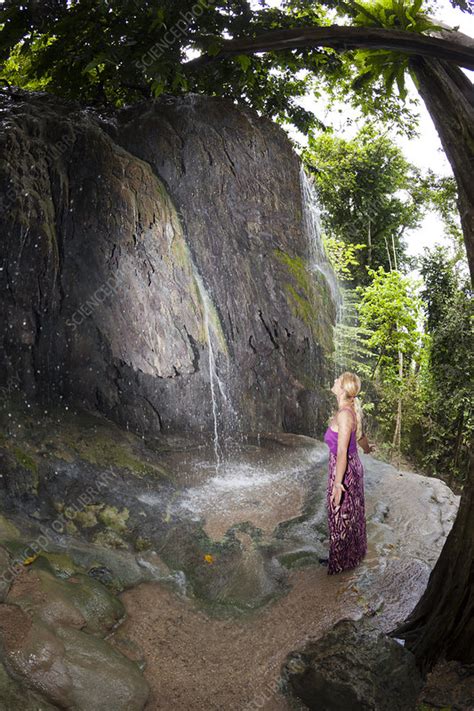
(449, 98)
(442, 623)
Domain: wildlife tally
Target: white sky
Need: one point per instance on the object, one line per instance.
(425, 151)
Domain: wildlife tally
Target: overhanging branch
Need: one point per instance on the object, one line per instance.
(342, 38)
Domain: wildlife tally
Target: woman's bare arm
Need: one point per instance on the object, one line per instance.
(344, 426)
(365, 444)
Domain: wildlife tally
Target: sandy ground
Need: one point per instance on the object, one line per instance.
(199, 663)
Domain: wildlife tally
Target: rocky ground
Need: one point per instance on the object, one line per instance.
(176, 585)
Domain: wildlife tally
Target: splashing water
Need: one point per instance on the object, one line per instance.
(214, 379)
(318, 260)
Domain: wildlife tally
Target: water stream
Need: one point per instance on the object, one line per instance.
(318, 260)
(215, 381)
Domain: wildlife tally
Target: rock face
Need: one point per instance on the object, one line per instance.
(69, 668)
(53, 624)
(354, 667)
(155, 255)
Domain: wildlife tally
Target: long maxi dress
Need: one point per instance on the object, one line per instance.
(347, 526)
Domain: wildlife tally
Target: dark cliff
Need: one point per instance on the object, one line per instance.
(133, 241)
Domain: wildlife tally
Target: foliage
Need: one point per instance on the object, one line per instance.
(440, 192)
(447, 373)
(370, 194)
(342, 256)
(390, 66)
(389, 314)
(120, 51)
(390, 310)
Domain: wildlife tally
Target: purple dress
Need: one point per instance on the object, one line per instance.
(347, 528)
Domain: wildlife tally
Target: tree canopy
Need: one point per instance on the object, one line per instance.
(371, 195)
(119, 51)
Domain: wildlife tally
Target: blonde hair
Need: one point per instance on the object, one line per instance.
(350, 383)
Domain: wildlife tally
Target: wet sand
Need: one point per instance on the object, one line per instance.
(196, 661)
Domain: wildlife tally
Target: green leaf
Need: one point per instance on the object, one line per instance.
(401, 83)
(93, 64)
(244, 61)
(214, 47)
(157, 87)
(415, 78)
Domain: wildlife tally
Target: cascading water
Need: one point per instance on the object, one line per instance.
(214, 379)
(349, 351)
(318, 260)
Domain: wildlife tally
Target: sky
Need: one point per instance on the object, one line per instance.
(425, 151)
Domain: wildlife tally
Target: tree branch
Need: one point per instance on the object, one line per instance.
(342, 38)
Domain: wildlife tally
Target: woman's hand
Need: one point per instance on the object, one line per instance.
(365, 444)
(337, 495)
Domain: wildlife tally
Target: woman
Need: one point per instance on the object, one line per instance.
(345, 489)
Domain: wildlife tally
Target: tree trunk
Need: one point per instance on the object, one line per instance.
(388, 253)
(442, 623)
(397, 436)
(369, 244)
(394, 253)
(449, 98)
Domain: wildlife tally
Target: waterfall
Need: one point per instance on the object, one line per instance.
(339, 366)
(318, 260)
(349, 351)
(215, 381)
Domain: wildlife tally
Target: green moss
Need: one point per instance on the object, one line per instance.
(142, 544)
(298, 268)
(7, 529)
(206, 303)
(109, 539)
(298, 559)
(103, 450)
(86, 518)
(25, 461)
(60, 563)
(79, 435)
(112, 518)
(179, 248)
(71, 528)
(309, 298)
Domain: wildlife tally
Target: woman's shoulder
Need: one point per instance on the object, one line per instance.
(345, 416)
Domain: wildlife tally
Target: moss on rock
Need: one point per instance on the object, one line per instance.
(309, 298)
(114, 519)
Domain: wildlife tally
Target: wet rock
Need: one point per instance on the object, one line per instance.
(101, 677)
(114, 236)
(78, 601)
(8, 530)
(354, 667)
(13, 696)
(5, 578)
(67, 667)
(381, 512)
(253, 581)
(33, 654)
